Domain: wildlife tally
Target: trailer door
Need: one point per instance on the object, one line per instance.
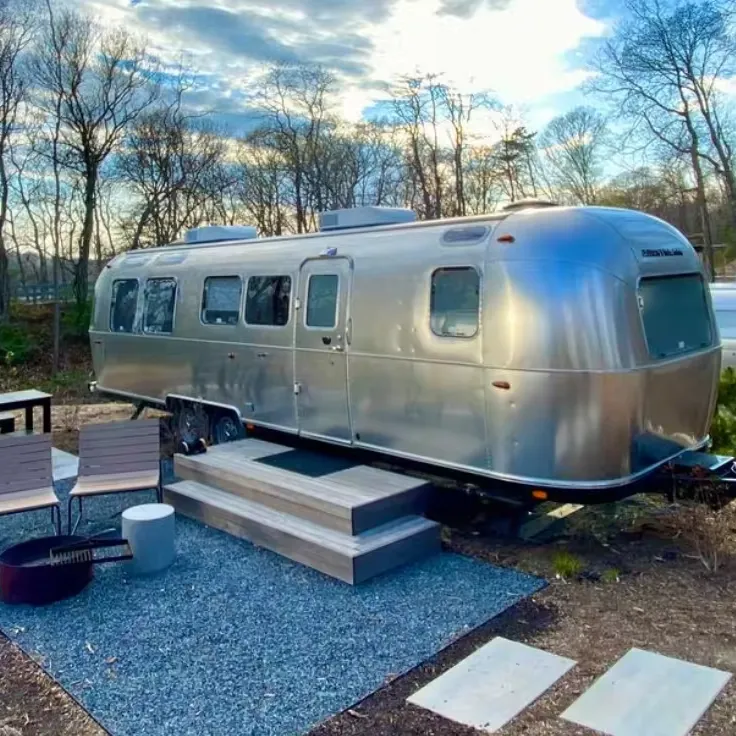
(320, 357)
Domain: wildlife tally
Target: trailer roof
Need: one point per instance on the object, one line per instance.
(181, 245)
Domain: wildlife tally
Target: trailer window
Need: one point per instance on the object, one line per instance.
(267, 300)
(158, 313)
(322, 300)
(455, 302)
(124, 304)
(675, 314)
(221, 300)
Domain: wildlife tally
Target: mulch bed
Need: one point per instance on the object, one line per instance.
(32, 704)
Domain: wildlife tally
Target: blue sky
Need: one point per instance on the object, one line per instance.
(530, 53)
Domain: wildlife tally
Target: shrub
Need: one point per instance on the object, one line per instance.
(612, 575)
(706, 524)
(66, 382)
(15, 345)
(723, 427)
(76, 319)
(566, 565)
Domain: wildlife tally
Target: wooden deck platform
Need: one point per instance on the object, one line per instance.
(352, 523)
(350, 500)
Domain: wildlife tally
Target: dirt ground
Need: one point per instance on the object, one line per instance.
(636, 582)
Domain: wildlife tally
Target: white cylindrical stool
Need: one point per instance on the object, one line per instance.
(149, 529)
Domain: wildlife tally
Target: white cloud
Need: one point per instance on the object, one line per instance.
(517, 50)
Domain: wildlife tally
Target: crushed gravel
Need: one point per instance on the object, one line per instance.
(235, 639)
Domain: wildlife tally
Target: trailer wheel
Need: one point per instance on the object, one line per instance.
(226, 427)
(192, 423)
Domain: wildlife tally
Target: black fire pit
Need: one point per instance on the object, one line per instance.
(49, 569)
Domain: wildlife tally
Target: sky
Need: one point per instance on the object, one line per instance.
(529, 53)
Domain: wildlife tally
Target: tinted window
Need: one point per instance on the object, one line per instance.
(455, 302)
(267, 300)
(322, 300)
(675, 315)
(158, 312)
(221, 300)
(123, 306)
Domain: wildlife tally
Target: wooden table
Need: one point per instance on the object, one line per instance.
(28, 400)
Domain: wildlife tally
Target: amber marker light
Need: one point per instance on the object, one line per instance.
(540, 495)
(507, 238)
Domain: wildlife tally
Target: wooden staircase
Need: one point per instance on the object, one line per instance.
(352, 523)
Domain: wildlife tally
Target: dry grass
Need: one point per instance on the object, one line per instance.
(703, 525)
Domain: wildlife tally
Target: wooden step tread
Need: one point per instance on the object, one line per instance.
(350, 500)
(349, 544)
(349, 558)
(346, 488)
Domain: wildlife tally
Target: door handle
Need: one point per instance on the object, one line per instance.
(261, 355)
(337, 348)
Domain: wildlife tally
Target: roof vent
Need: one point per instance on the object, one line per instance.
(364, 217)
(524, 204)
(220, 233)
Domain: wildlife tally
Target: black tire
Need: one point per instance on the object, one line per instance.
(226, 427)
(192, 423)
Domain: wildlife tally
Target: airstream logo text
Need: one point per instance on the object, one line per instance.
(658, 252)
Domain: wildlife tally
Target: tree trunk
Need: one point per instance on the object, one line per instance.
(703, 210)
(716, 138)
(4, 268)
(459, 188)
(428, 211)
(81, 275)
(4, 283)
(145, 215)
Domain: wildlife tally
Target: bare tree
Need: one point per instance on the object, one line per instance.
(170, 160)
(459, 108)
(515, 156)
(97, 82)
(296, 104)
(573, 146)
(16, 24)
(410, 107)
(662, 68)
(262, 185)
(482, 188)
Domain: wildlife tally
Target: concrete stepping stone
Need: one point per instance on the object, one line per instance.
(491, 686)
(648, 694)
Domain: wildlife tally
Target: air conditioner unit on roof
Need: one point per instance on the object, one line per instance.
(220, 233)
(364, 217)
(523, 204)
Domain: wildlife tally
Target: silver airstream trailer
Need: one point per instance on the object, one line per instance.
(568, 348)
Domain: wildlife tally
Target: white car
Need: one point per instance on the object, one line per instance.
(724, 305)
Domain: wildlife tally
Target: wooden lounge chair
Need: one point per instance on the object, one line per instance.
(118, 457)
(26, 476)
